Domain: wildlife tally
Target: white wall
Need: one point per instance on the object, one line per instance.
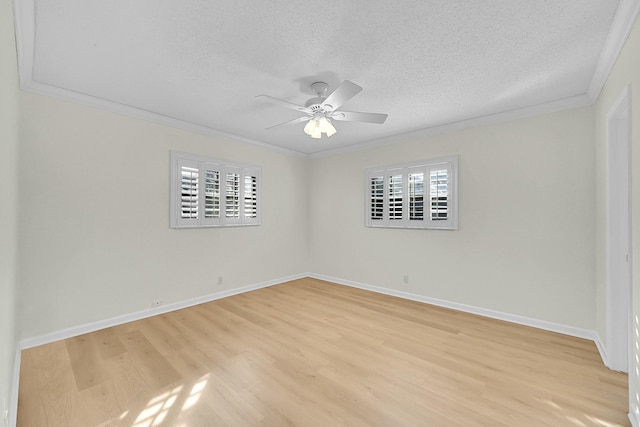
(626, 70)
(95, 242)
(526, 240)
(95, 238)
(8, 195)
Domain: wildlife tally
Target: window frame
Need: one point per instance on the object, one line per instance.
(203, 164)
(421, 217)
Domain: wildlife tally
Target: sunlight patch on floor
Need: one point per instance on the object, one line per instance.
(588, 419)
(196, 391)
(576, 421)
(600, 422)
(550, 403)
(157, 409)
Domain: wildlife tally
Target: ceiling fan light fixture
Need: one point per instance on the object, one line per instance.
(316, 126)
(331, 131)
(311, 125)
(327, 127)
(322, 123)
(320, 110)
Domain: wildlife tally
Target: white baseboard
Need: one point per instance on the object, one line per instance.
(94, 326)
(513, 318)
(119, 320)
(13, 405)
(601, 349)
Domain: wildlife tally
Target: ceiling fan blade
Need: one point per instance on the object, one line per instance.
(352, 116)
(284, 103)
(342, 94)
(291, 122)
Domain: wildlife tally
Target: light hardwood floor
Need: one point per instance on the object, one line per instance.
(312, 353)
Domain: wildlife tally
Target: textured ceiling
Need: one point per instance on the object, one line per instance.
(202, 62)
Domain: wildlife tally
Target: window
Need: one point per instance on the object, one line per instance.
(414, 195)
(213, 193)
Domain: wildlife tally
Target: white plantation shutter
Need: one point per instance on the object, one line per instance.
(250, 195)
(415, 195)
(395, 197)
(232, 195)
(188, 192)
(208, 193)
(442, 195)
(212, 197)
(375, 205)
(438, 194)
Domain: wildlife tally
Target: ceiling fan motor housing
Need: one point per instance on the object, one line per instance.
(320, 88)
(314, 104)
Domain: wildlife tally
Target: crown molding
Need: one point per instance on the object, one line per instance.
(24, 21)
(127, 110)
(25, 34)
(623, 21)
(490, 119)
(621, 27)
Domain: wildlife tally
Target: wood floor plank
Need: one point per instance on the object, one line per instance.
(55, 388)
(108, 343)
(85, 361)
(101, 405)
(155, 370)
(314, 353)
(34, 367)
(133, 392)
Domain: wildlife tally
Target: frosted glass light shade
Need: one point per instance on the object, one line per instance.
(311, 124)
(315, 127)
(329, 129)
(316, 133)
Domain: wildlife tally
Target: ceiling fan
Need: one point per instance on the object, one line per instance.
(320, 110)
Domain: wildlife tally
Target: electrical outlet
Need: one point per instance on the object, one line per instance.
(406, 279)
(219, 280)
(156, 302)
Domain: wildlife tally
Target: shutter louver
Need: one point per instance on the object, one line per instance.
(395, 197)
(211, 193)
(377, 198)
(232, 201)
(189, 192)
(416, 196)
(250, 196)
(438, 194)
